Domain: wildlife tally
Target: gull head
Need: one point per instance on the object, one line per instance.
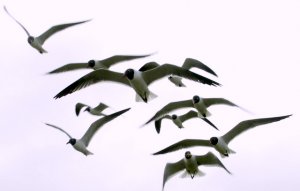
(129, 73)
(72, 141)
(188, 155)
(30, 39)
(213, 140)
(91, 63)
(174, 116)
(196, 99)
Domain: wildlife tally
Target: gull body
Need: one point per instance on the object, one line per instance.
(190, 164)
(221, 143)
(37, 42)
(198, 103)
(97, 64)
(82, 143)
(178, 120)
(137, 80)
(98, 110)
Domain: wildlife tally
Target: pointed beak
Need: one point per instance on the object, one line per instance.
(68, 142)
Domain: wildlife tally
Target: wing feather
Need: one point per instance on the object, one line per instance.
(70, 67)
(108, 62)
(190, 63)
(60, 129)
(171, 169)
(210, 159)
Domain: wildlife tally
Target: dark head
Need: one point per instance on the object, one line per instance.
(188, 155)
(170, 77)
(196, 99)
(213, 140)
(72, 141)
(91, 63)
(129, 73)
(30, 39)
(174, 116)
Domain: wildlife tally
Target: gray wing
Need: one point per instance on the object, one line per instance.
(59, 129)
(70, 67)
(248, 124)
(171, 169)
(92, 78)
(171, 107)
(193, 114)
(16, 21)
(213, 101)
(108, 62)
(190, 63)
(184, 144)
(78, 107)
(210, 159)
(157, 122)
(148, 66)
(101, 107)
(86, 138)
(43, 37)
(169, 69)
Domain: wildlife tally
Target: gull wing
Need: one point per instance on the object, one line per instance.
(194, 114)
(184, 144)
(210, 159)
(70, 67)
(92, 78)
(171, 169)
(148, 66)
(213, 101)
(78, 107)
(95, 126)
(158, 122)
(101, 107)
(108, 62)
(169, 69)
(248, 124)
(43, 37)
(59, 129)
(171, 107)
(193, 63)
(16, 21)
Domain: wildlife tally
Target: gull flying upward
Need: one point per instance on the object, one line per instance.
(138, 80)
(178, 120)
(198, 103)
(82, 143)
(92, 110)
(97, 64)
(37, 42)
(221, 143)
(190, 164)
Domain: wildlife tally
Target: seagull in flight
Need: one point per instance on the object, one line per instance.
(37, 42)
(178, 120)
(92, 110)
(82, 143)
(97, 64)
(198, 103)
(135, 79)
(190, 164)
(221, 143)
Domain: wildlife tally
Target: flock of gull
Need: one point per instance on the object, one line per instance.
(139, 81)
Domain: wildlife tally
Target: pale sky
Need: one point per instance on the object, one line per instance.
(253, 46)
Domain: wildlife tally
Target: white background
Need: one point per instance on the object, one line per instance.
(252, 45)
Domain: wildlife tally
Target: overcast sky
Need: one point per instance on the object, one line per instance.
(252, 45)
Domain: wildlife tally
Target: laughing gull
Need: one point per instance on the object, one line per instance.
(37, 42)
(92, 110)
(138, 80)
(82, 143)
(221, 143)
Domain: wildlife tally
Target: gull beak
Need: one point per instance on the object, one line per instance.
(68, 142)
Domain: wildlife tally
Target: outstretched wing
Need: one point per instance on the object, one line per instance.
(214, 101)
(78, 107)
(194, 114)
(157, 122)
(210, 159)
(171, 107)
(190, 63)
(92, 78)
(59, 129)
(108, 62)
(169, 69)
(184, 144)
(248, 124)
(171, 169)
(43, 37)
(16, 21)
(86, 138)
(70, 67)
